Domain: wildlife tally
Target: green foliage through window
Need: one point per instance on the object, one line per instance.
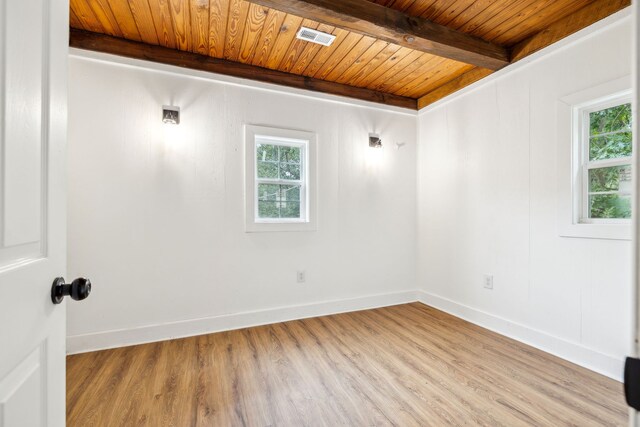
(610, 140)
(278, 162)
(275, 164)
(610, 206)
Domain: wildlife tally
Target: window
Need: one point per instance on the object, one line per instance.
(594, 161)
(605, 147)
(280, 189)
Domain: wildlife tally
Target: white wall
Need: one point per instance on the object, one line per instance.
(487, 204)
(156, 212)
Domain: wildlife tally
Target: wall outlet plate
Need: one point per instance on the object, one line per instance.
(301, 276)
(487, 281)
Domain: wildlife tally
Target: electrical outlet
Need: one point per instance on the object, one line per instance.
(487, 281)
(301, 276)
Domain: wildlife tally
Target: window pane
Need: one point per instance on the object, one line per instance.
(290, 192)
(265, 152)
(289, 171)
(609, 206)
(616, 178)
(289, 154)
(278, 201)
(268, 209)
(268, 192)
(610, 120)
(610, 146)
(290, 209)
(267, 170)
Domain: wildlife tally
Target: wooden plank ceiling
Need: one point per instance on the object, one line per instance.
(252, 40)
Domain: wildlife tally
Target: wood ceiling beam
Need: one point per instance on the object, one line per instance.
(558, 30)
(390, 25)
(130, 49)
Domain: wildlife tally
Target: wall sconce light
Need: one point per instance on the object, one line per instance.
(375, 141)
(171, 115)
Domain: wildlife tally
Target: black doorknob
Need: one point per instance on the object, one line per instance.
(78, 290)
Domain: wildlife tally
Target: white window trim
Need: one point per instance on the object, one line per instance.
(307, 193)
(570, 157)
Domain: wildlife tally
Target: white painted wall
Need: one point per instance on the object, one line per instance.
(156, 212)
(487, 204)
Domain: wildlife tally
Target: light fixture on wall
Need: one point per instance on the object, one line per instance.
(375, 141)
(171, 114)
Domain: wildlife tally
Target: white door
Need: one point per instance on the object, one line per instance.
(33, 106)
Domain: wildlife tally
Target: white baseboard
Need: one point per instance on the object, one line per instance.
(185, 328)
(604, 364)
(573, 352)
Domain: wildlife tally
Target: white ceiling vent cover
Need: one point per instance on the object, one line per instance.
(315, 36)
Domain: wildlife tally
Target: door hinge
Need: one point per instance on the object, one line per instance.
(632, 382)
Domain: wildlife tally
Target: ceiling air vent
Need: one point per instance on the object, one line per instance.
(315, 36)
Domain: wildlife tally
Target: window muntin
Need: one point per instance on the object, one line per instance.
(606, 142)
(280, 179)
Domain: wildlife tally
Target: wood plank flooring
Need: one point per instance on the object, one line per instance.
(407, 365)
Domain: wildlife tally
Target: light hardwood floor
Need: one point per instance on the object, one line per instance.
(407, 365)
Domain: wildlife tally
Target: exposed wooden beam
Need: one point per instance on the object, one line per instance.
(374, 20)
(558, 30)
(116, 46)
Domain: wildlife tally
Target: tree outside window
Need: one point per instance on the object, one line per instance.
(606, 172)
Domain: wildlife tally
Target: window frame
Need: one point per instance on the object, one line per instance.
(303, 145)
(569, 158)
(254, 135)
(581, 115)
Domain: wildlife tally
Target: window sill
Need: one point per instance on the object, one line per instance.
(261, 227)
(597, 231)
